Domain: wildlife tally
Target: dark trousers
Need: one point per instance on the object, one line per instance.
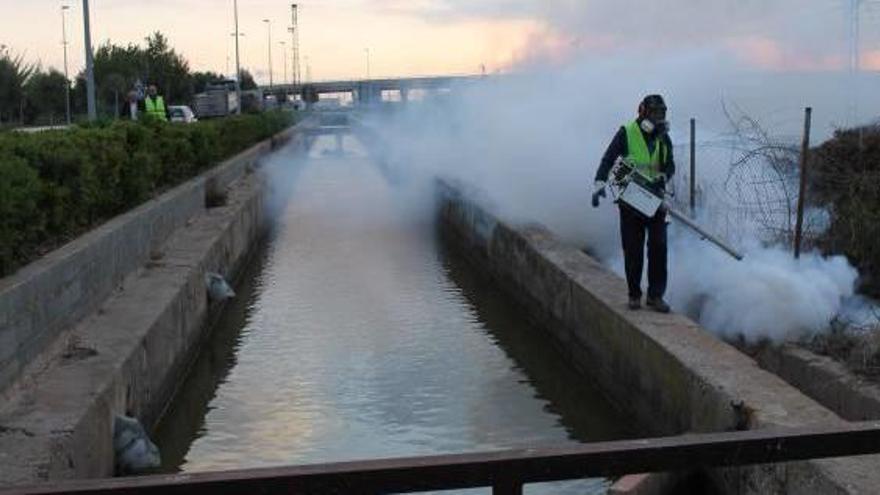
(633, 226)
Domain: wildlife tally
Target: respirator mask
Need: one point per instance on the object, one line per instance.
(653, 115)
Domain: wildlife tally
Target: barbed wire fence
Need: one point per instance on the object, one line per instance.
(746, 185)
(746, 188)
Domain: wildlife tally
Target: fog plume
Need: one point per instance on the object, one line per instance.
(532, 141)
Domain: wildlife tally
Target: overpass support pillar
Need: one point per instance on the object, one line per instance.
(363, 93)
(368, 94)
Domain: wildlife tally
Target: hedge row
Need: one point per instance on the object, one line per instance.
(845, 179)
(54, 185)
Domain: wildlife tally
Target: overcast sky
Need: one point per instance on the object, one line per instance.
(420, 37)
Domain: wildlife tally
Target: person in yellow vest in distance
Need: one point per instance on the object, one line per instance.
(645, 143)
(154, 104)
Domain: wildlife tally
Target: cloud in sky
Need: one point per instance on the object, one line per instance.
(410, 37)
(333, 35)
(768, 34)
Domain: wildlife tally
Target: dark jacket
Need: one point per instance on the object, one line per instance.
(125, 110)
(618, 148)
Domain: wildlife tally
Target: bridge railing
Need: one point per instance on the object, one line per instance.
(505, 471)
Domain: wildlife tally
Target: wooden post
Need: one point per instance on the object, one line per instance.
(693, 178)
(805, 150)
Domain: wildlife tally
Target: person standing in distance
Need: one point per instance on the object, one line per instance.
(645, 143)
(154, 104)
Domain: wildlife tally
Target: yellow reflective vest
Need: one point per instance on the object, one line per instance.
(155, 107)
(647, 164)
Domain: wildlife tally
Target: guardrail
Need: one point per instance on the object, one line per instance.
(505, 471)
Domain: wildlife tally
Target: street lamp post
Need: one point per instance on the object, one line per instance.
(293, 74)
(367, 50)
(237, 65)
(240, 35)
(308, 70)
(284, 53)
(269, 35)
(64, 9)
(90, 65)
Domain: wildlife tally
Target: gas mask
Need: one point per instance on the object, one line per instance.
(655, 122)
(661, 128)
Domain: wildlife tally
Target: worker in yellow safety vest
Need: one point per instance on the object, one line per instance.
(645, 143)
(154, 104)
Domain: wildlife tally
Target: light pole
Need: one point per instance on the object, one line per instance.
(240, 35)
(90, 65)
(64, 9)
(292, 32)
(284, 52)
(367, 51)
(296, 74)
(269, 34)
(237, 65)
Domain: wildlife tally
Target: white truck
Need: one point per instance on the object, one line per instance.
(218, 100)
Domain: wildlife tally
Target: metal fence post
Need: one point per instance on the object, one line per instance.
(693, 178)
(805, 150)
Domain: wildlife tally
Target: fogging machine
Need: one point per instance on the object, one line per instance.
(630, 187)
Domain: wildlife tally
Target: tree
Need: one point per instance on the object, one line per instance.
(201, 79)
(114, 87)
(14, 75)
(247, 80)
(118, 68)
(167, 69)
(45, 95)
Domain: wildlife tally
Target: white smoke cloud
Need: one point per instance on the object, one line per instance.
(767, 295)
(532, 141)
(804, 34)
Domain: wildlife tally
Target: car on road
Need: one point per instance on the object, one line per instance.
(181, 113)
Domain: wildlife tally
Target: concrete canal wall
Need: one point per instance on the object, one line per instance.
(42, 299)
(829, 382)
(107, 324)
(663, 370)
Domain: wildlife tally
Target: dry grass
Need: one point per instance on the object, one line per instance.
(855, 345)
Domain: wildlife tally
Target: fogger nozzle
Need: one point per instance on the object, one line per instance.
(705, 235)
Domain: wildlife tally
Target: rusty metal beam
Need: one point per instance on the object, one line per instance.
(505, 471)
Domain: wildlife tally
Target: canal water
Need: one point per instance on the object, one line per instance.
(356, 335)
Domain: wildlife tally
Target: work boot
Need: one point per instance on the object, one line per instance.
(634, 303)
(657, 304)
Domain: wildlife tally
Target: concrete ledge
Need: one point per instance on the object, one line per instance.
(825, 380)
(41, 300)
(127, 357)
(663, 370)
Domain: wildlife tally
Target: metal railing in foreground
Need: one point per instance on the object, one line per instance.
(504, 471)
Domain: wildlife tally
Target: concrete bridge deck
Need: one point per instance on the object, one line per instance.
(382, 84)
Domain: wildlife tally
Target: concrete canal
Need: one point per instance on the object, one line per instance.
(356, 334)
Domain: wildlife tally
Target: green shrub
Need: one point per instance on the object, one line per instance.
(21, 220)
(175, 153)
(205, 143)
(845, 178)
(56, 184)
